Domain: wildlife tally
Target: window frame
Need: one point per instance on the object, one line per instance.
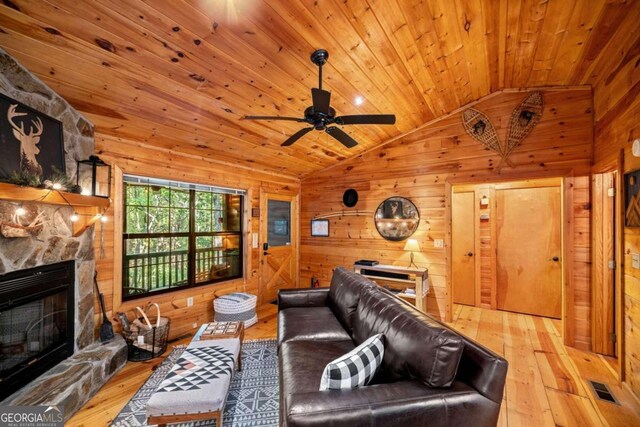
(191, 236)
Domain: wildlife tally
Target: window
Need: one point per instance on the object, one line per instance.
(179, 235)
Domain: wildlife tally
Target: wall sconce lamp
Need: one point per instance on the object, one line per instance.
(94, 177)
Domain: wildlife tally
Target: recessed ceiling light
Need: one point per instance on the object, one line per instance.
(358, 100)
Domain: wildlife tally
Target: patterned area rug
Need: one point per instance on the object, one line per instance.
(253, 395)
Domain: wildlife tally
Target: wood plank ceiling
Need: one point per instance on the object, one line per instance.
(179, 74)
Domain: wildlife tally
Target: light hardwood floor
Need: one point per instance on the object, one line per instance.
(546, 382)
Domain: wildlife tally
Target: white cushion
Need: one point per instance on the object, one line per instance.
(355, 368)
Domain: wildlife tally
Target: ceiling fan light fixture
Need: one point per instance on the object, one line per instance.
(321, 116)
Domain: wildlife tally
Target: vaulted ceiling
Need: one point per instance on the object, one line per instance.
(179, 74)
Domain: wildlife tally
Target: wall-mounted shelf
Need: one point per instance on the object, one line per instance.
(89, 208)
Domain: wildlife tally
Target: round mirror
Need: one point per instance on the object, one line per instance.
(397, 218)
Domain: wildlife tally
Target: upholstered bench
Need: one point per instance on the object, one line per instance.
(238, 306)
(196, 387)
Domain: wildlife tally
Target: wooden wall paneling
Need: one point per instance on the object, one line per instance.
(603, 290)
(447, 313)
(420, 166)
(130, 157)
(619, 274)
(477, 248)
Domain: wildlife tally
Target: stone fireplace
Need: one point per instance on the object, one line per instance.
(72, 381)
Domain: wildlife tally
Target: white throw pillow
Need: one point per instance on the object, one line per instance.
(355, 368)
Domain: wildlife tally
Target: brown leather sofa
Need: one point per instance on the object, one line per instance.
(430, 375)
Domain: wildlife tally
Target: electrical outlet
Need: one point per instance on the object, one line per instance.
(438, 243)
(189, 301)
(195, 325)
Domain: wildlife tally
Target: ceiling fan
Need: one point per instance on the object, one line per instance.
(321, 116)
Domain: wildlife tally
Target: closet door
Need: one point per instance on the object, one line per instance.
(529, 250)
(463, 276)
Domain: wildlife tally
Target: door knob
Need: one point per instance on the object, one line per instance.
(554, 259)
(266, 253)
(469, 254)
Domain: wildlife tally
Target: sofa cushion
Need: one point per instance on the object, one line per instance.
(344, 295)
(309, 323)
(415, 346)
(356, 368)
(302, 363)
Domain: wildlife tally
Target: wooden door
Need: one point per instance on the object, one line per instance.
(463, 257)
(529, 250)
(603, 325)
(279, 244)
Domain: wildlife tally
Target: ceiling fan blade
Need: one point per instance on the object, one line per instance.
(367, 119)
(294, 119)
(341, 136)
(321, 99)
(296, 136)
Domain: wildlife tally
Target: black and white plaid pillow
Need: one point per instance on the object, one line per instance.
(355, 368)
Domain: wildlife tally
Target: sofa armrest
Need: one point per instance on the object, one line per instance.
(403, 403)
(310, 297)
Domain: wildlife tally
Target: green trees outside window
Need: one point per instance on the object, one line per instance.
(178, 236)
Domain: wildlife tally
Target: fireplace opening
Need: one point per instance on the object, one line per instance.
(36, 323)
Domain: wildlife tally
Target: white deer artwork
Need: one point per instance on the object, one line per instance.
(28, 140)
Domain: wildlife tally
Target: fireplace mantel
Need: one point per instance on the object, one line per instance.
(88, 208)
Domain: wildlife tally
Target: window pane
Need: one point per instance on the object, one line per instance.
(158, 220)
(217, 201)
(179, 220)
(179, 198)
(135, 266)
(180, 261)
(204, 242)
(136, 219)
(203, 221)
(136, 195)
(203, 200)
(278, 223)
(159, 263)
(218, 221)
(159, 196)
(233, 208)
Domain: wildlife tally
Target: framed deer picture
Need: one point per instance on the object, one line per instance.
(29, 141)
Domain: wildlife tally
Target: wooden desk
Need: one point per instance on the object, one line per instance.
(414, 277)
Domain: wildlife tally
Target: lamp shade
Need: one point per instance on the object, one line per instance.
(412, 245)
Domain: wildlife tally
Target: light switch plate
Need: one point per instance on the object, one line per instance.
(438, 243)
(254, 240)
(635, 261)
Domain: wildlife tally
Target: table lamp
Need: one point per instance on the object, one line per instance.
(413, 246)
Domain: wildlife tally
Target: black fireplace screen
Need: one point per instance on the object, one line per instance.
(36, 323)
